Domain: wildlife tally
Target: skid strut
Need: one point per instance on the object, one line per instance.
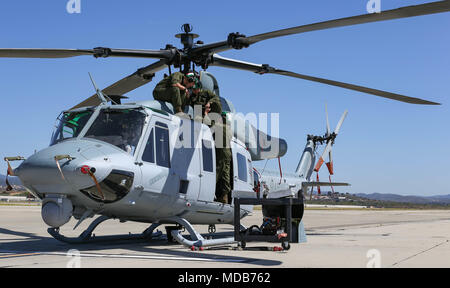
(196, 240)
(88, 237)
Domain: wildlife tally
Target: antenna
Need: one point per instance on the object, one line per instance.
(100, 94)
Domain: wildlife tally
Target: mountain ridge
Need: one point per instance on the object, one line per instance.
(11, 180)
(406, 198)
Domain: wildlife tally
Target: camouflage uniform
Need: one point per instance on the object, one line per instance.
(204, 97)
(223, 151)
(223, 165)
(164, 91)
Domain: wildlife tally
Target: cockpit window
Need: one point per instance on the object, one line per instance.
(224, 103)
(119, 127)
(69, 125)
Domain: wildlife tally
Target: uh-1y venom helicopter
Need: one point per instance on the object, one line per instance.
(89, 169)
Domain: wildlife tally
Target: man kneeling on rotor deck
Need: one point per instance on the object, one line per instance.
(174, 89)
(210, 103)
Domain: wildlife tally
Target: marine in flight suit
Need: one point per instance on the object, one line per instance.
(174, 89)
(210, 103)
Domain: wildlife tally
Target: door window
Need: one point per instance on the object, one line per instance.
(162, 145)
(242, 167)
(207, 156)
(149, 152)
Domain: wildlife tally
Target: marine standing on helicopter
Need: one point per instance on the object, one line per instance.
(209, 100)
(174, 89)
(210, 103)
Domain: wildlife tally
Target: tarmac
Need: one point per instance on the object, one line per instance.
(357, 238)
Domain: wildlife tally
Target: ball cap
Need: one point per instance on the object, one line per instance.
(190, 75)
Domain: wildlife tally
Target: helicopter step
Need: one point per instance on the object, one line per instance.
(88, 237)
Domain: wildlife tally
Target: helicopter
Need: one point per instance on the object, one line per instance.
(122, 161)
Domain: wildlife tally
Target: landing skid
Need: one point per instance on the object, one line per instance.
(88, 237)
(196, 240)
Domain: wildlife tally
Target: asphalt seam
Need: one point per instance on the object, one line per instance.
(422, 252)
(375, 224)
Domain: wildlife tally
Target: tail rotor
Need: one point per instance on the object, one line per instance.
(329, 139)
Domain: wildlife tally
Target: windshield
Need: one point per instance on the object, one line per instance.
(69, 125)
(120, 127)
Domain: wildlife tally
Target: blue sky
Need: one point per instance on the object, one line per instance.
(384, 146)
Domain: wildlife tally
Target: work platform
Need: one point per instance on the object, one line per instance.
(286, 213)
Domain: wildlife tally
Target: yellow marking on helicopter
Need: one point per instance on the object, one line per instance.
(19, 255)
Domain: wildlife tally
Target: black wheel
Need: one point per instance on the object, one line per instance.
(286, 245)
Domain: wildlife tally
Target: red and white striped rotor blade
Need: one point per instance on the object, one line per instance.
(330, 163)
(330, 143)
(321, 159)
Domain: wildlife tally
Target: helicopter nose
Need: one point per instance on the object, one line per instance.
(40, 173)
(57, 169)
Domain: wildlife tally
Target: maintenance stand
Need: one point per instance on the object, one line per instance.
(281, 222)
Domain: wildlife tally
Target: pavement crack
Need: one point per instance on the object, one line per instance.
(422, 252)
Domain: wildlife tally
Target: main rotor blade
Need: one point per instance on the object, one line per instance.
(384, 94)
(139, 78)
(96, 52)
(42, 53)
(263, 69)
(404, 12)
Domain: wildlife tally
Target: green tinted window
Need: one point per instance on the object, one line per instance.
(69, 125)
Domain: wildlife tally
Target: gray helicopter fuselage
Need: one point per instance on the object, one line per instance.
(278, 184)
(162, 172)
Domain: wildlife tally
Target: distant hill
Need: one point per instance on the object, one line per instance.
(12, 180)
(439, 199)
